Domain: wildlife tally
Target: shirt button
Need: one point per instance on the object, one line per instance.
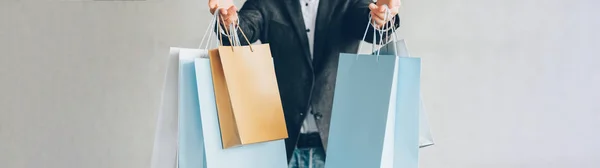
(306, 4)
(308, 30)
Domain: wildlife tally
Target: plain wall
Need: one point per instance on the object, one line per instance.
(507, 84)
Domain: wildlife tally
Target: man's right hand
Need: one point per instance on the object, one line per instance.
(227, 10)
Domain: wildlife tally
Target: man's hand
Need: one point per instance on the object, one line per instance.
(227, 10)
(378, 11)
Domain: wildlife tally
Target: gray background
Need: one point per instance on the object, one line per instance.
(507, 84)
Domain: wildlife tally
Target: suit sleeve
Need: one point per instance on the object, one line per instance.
(250, 22)
(357, 18)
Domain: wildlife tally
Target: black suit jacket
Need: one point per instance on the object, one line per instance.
(303, 81)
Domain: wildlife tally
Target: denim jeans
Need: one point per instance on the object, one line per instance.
(308, 158)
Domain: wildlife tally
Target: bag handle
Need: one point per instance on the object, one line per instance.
(382, 31)
(207, 32)
(233, 37)
(395, 36)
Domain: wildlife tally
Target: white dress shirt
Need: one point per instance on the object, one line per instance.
(309, 14)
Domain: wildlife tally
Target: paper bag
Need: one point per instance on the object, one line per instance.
(247, 95)
(400, 49)
(179, 138)
(164, 153)
(360, 107)
(259, 155)
(369, 90)
(191, 140)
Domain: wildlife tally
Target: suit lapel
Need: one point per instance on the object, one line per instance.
(295, 15)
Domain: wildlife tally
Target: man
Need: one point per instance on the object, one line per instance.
(306, 38)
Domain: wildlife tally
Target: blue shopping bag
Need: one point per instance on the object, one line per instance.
(375, 114)
(187, 131)
(259, 155)
(188, 135)
(361, 103)
(179, 139)
(406, 134)
(191, 139)
(400, 49)
(364, 96)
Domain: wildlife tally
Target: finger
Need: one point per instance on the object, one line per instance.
(230, 20)
(394, 11)
(232, 10)
(213, 4)
(379, 15)
(224, 12)
(223, 24)
(379, 22)
(231, 15)
(373, 7)
(382, 8)
(395, 4)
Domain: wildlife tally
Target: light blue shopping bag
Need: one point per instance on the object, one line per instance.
(400, 49)
(360, 107)
(187, 130)
(259, 155)
(375, 114)
(406, 134)
(179, 139)
(191, 139)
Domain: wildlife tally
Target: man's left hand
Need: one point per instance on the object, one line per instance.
(378, 11)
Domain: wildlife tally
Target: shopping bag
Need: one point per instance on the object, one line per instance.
(269, 154)
(400, 49)
(179, 140)
(247, 95)
(188, 133)
(360, 107)
(375, 113)
(164, 154)
(364, 96)
(177, 96)
(191, 140)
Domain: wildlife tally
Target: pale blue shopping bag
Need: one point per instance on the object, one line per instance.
(179, 139)
(360, 107)
(260, 155)
(198, 140)
(362, 99)
(375, 114)
(406, 134)
(190, 135)
(202, 136)
(187, 130)
(400, 49)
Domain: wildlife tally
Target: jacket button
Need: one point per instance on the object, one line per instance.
(301, 114)
(318, 116)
